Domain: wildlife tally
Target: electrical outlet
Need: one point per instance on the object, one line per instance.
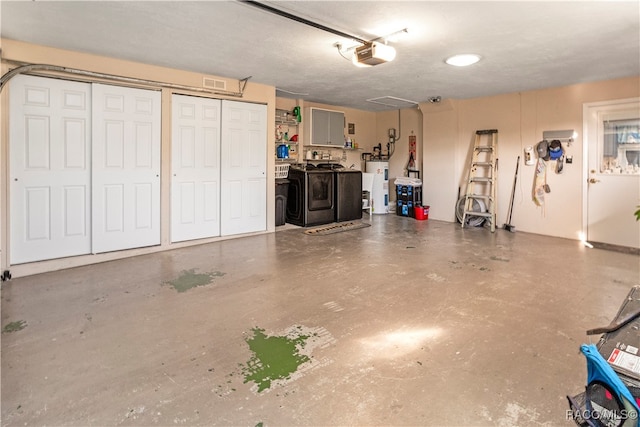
(569, 159)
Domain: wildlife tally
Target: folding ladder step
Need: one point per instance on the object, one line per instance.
(474, 213)
(481, 197)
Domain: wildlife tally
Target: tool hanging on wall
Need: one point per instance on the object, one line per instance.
(508, 226)
(528, 156)
(540, 186)
(411, 168)
(481, 185)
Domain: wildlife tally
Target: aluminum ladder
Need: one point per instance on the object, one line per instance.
(481, 184)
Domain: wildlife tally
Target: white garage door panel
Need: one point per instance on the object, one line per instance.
(211, 197)
(113, 145)
(187, 143)
(143, 218)
(144, 145)
(75, 149)
(38, 213)
(211, 156)
(235, 199)
(113, 215)
(49, 131)
(37, 143)
(36, 93)
(195, 168)
(256, 150)
(74, 99)
(244, 161)
(187, 202)
(257, 198)
(236, 151)
(125, 168)
(75, 203)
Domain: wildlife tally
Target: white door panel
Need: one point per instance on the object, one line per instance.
(243, 173)
(125, 168)
(49, 134)
(234, 204)
(195, 168)
(613, 176)
(37, 213)
(258, 198)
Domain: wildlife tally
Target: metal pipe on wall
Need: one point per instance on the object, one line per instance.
(34, 68)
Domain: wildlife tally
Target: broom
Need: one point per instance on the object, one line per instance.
(508, 226)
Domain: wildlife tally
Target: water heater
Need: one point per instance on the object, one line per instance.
(380, 192)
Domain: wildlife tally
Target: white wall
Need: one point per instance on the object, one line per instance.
(449, 130)
(408, 122)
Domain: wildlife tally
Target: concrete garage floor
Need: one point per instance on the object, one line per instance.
(402, 323)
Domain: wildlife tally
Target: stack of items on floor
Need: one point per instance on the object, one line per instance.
(409, 198)
(612, 394)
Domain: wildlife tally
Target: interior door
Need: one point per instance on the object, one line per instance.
(243, 197)
(49, 140)
(612, 132)
(195, 168)
(126, 168)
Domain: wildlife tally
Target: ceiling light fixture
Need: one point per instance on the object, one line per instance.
(463, 60)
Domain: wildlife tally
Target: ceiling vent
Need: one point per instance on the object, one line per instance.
(392, 101)
(210, 83)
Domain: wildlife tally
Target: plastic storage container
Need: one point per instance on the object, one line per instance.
(282, 190)
(421, 212)
(408, 196)
(282, 170)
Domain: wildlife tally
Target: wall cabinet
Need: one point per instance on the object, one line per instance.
(327, 127)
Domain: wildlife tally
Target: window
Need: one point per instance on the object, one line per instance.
(620, 146)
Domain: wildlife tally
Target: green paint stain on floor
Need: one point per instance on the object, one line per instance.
(14, 326)
(190, 279)
(274, 358)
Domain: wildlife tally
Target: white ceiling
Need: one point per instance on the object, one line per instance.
(524, 45)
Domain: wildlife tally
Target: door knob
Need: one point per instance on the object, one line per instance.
(593, 180)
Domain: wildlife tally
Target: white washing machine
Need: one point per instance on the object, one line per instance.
(380, 192)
